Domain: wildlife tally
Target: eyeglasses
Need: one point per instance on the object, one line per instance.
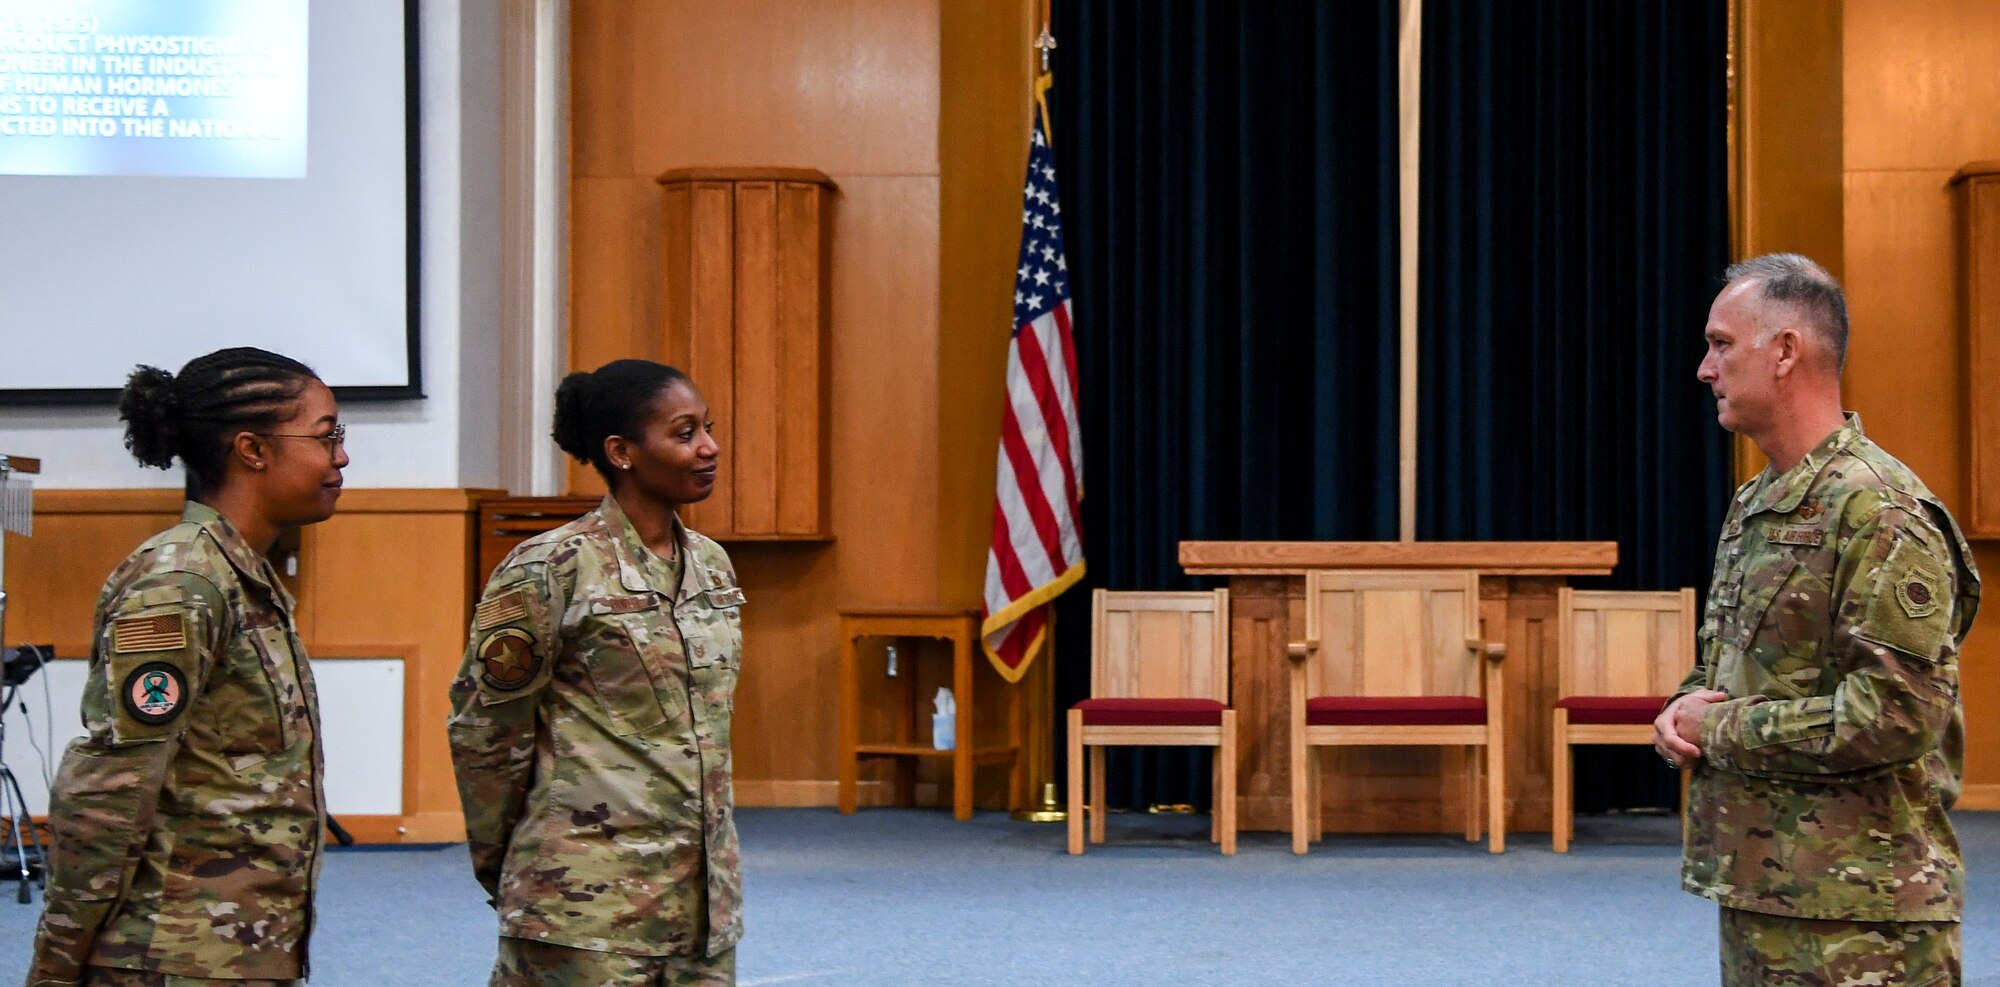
(333, 441)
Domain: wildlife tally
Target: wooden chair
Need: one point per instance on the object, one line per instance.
(1620, 655)
(1394, 657)
(1159, 675)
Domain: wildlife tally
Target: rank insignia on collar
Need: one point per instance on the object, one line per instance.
(508, 660)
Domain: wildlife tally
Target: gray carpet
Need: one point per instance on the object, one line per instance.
(888, 898)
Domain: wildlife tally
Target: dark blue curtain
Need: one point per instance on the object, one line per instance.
(1229, 191)
(1574, 226)
(1228, 178)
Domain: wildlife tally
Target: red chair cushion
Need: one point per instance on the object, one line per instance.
(1397, 711)
(1612, 709)
(1151, 712)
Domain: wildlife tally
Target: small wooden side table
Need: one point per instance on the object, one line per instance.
(958, 625)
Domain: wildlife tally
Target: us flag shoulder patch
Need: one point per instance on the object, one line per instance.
(154, 632)
(501, 609)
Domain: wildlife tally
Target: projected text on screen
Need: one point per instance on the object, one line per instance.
(211, 88)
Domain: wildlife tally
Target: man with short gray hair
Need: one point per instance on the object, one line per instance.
(1822, 719)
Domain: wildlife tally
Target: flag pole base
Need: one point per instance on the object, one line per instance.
(1048, 812)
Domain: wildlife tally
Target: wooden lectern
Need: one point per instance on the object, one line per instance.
(1392, 790)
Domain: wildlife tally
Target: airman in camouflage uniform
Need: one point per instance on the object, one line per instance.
(590, 732)
(187, 824)
(1822, 721)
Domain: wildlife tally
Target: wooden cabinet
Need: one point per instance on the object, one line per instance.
(1978, 193)
(746, 303)
(505, 522)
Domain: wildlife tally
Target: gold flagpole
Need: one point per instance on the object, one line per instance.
(1039, 698)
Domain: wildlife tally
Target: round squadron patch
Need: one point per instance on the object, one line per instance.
(154, 693)
(508, 659)
(1916, 597)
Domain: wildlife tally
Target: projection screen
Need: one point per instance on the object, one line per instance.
(180, 177)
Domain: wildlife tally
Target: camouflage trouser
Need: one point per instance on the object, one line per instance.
(1775, 951)
(527, 963)
(104, 976)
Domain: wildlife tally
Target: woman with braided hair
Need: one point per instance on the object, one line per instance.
(188, 823)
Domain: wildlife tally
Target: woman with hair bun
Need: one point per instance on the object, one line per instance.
(188, 823)
(590, 719)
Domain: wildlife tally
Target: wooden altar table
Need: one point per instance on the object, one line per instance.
(1392, 790)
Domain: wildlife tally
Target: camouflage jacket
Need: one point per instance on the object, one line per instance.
(187, 824)
(1842, 592)
(590, 732)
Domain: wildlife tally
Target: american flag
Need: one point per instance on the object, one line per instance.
(1037, 551)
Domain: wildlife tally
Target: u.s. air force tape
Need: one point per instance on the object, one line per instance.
(154, 693)
(507, 659)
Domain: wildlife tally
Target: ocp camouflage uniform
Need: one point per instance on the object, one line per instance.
(590, 732)
(1842, 592)
(187, 823)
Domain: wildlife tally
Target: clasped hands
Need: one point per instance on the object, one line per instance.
(1677, 730)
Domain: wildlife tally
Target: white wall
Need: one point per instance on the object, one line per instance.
(361, 731)
(449, 438)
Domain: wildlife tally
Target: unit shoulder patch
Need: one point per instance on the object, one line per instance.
(154, 693)
(507, 659)
(1918, 622)
(1915, 593)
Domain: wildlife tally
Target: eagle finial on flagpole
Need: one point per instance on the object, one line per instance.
(1045, 44)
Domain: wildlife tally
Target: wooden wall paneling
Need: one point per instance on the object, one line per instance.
(1979, 689)
(1978, 242)
(756, 358)
(677, 275)
(1920, 85)
(1786, 139)
(803, 498)
(601, 91)
(1905, 349)
(846, 86)
(711, 343)
(784, 726)
(1917, 107)
(1787, 173)
(985, 75)
(884, 426)
(360, 593)
(617, 304)
(54, 577)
